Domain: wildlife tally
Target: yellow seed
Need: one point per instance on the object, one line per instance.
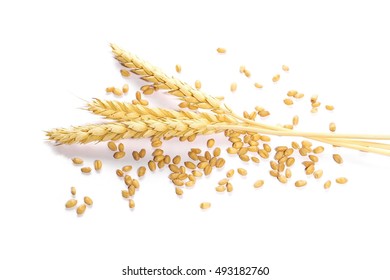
(198, 84)
(300, 183)
(230, 173)
(264, 113)
(233, 87)
(71, 203)
(318, 173)
(310, 169)
(290, 161)
(255, 159)
(141, 171)
(223, 181)
(327, 184)
(88, 200)
(313, 158)
(152, 165)
(174, 168)
(117, 92)
(121, 147)
(178, 191)
(276, 78)
(125, 88)
(190, 183)
(313, 98)
(316, 104)
(263, 153)
(231, 150)
(190, 165)
(288, 152)
(337, 158)
(178, 182)
(217, 152)
(244, 158)
(295, 120)
(210, 143)
(77, 160)
(318, 150)
(136, 183)
(125, 194)
(282, 179)
(176, 160)
(86, 169)
(109, 89)
(81, 209)
(159, 158)
(247, 73)
(295, 145)
(205, 205)
(112, 146)
(258, 184)
(197, 173)
(242, 68)
(274, 173)
(341, 180)
(178, 68)
(142, 153)
(229, 187)
(242, 171)
(131, 190)
(119, 155)
(208, 169)
(292, 93)
(220, 163)
(332, 127)
(73, 190)
(135, 155)
(119, 173)
(274, 165)
(329, 107)
(220, 188)
(131, 203)
(98, 164)
(281, 167)
(299, 95)
(221, 50)
(125, 73)
(288, 101)
(257, 85)
(267, 148)
(202, 165)
(288, 173)
(314, 110)
(285, 68)
(127, 168)
(128, 180)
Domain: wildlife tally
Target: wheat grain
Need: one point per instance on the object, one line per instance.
(71, 203)
(88, 200)
(81, 209)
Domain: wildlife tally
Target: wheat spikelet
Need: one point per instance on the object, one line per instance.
(193, 98)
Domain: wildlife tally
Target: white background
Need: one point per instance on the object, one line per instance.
(53, 56)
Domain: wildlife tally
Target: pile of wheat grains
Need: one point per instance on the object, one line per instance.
(185, 170)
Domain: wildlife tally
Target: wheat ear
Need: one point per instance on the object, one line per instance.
(193, 98)
(125, 111)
